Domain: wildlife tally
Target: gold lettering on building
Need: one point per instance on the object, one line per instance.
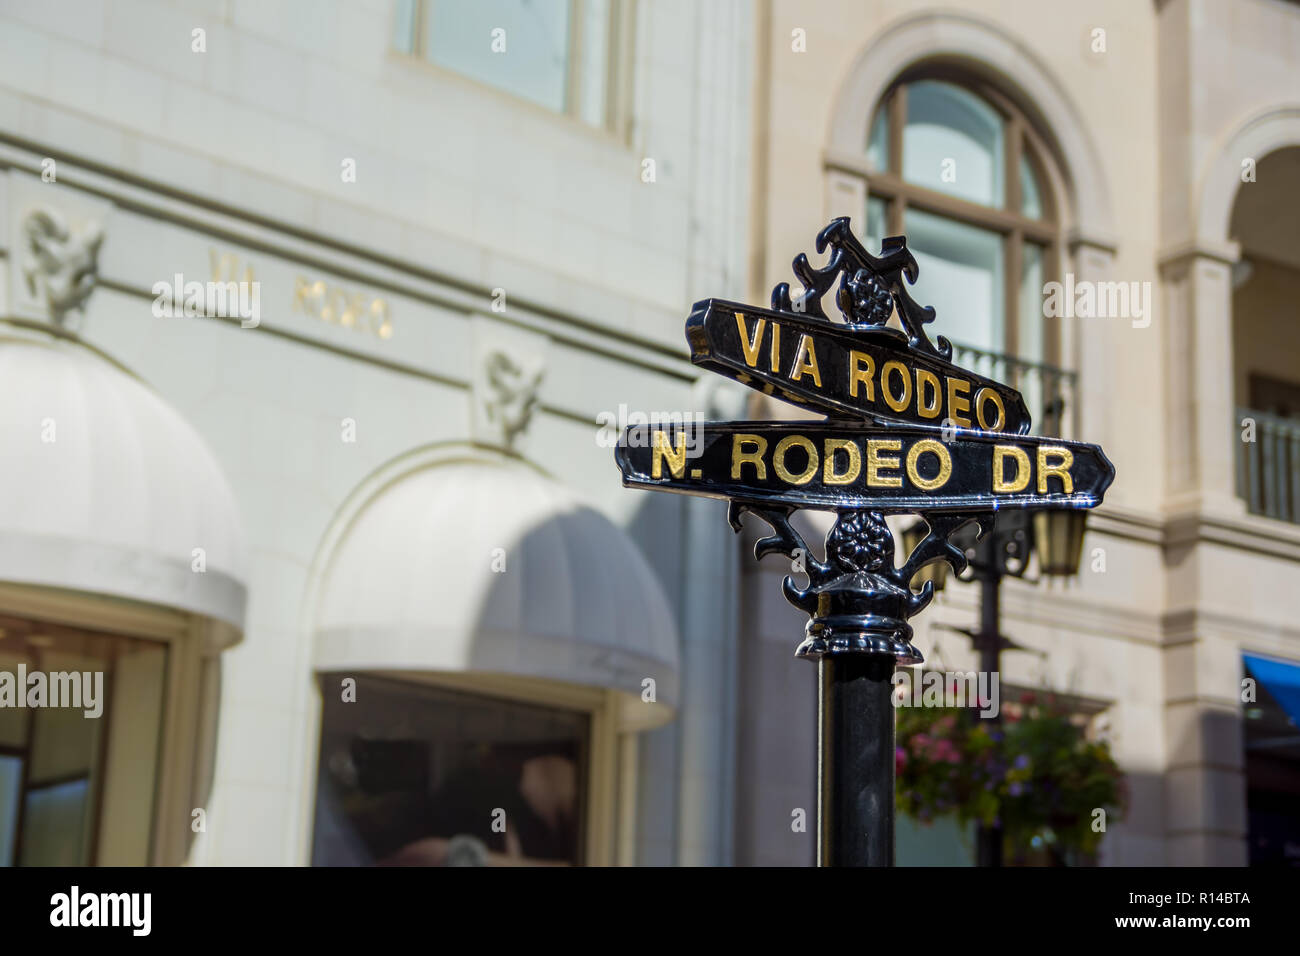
(337, 305)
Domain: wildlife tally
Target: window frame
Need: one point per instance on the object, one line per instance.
(608, 806)
(616, 118)
(191, 699)
(1020, 139)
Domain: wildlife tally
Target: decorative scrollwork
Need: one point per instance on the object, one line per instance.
(870, 287)
(859, 569)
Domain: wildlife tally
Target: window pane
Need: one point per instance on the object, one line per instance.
(877, 217)
(596, 27)
(91, 750)
(878, 143)
(404, 26)
(952, 142)
(11, 789)
(414, 778)
(54, 824)
(534, 62)
(1031, 203)
(961, 276)
(1029, 331)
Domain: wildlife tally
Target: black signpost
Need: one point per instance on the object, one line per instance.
(906, 432)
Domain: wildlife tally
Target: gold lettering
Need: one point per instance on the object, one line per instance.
(900, 403)
(749, 344)
(987, 394)
(928, 380)
(861, 369)
(876, 461)
(829, 448)
(805, 361)
(775, 353)
(940, 451)
(225, 267)
(778, 460)
(1018, 483)
(1061, 469)
(957, 405)
(741, 457)
(660, 451)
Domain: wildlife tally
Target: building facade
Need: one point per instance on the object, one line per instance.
(319, 322)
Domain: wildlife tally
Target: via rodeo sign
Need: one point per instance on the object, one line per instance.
(906, 431)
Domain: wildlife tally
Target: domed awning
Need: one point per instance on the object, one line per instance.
(106, 489)
(411, 585)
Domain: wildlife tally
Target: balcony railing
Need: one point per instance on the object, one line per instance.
(1046, 388)
(1268, 468)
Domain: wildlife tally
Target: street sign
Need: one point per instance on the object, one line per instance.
(837, 465)
(867, 371)
(907, 431)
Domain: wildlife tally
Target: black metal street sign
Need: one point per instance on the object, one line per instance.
(836, 465)
(867, 372)
(906, 431)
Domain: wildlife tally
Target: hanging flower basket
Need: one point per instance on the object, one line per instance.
(1036, 774)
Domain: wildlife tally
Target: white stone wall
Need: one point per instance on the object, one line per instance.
(460, 190)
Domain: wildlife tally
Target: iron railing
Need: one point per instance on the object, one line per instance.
(1268, 464)
(1046, 388)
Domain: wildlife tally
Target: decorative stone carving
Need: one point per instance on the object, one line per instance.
(61, 266)
(509, 396)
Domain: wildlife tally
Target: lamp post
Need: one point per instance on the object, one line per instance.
(1057, 539)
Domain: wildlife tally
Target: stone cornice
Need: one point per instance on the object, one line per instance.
(1171, 257)
(1248, 533)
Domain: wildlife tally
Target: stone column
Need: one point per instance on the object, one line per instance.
(1205, 793)
(1085, 344)
(1196, 280)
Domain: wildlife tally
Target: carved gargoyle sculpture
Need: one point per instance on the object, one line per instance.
(512, 395)
(60, 266)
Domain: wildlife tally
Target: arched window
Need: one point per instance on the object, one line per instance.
(956, 167)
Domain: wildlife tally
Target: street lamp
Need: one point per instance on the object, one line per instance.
(1057, 537)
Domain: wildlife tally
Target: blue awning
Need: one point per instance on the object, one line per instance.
(1281, 679)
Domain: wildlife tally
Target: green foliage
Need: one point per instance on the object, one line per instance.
(1036, 774)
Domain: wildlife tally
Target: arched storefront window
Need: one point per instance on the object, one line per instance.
(957, 168)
